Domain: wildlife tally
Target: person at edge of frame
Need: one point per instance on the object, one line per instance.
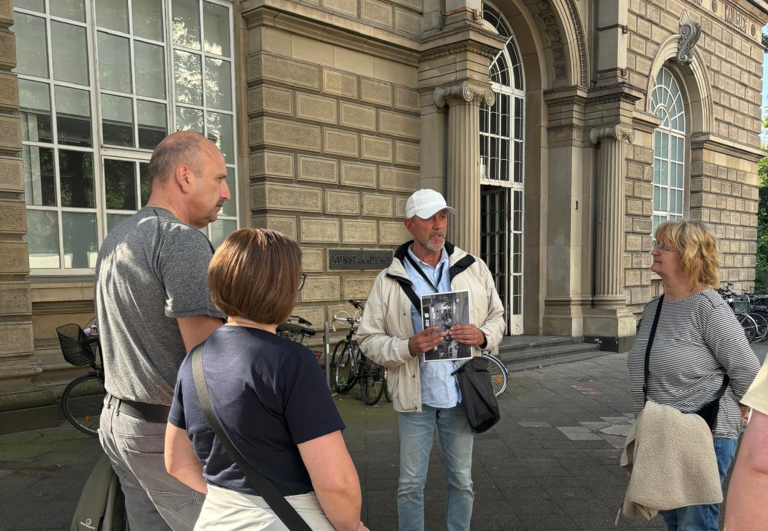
(746, 506)
(426, 395)
(153, 306)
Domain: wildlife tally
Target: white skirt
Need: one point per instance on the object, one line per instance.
(227, 510)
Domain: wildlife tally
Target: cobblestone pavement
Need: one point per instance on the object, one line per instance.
(551, 464)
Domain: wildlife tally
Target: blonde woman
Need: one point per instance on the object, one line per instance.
(697, 345)
(270, 398)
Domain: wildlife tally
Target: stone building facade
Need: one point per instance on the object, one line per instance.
(563, 131)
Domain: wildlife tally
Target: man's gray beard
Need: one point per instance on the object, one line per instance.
(434, 248)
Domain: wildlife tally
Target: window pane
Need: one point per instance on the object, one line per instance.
(71, 9)
(230, 207)
(117, 120)
(120, 184)
(186, 23)
(35, 111)
(189, 119)
(216, 19)
(112, 14)
(32, 5)
(39, 176)
(664, 146)
(70, 54)
(148, 19)
(73, 116)
(152, 123)
(76, 178)
(79, 231)
(656, 198)
(113, 220)
(31, 45)
(114, 63)
(43, 239)
(150, 70)
(144, 184)
(220, 133)
(664, 173)
(218, 84)
(220, 229)
(188, 72)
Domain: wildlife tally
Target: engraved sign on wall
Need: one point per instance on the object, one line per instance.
(357, 259)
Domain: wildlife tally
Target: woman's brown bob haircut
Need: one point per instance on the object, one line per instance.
(255, 274)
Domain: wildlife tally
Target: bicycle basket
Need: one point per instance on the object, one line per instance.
(75, 345)
(740, 305)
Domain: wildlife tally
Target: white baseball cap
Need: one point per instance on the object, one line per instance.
(425, 204)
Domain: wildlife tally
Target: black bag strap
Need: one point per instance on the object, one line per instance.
(276, 501)
(647, 371)
(423, 274)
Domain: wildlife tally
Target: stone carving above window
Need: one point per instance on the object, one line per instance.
(690, 31)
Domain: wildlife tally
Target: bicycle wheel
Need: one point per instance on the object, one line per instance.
(371, 382)
(749, 325)
(762, 326)
(82, 402)
(341, 368)
(498, 372)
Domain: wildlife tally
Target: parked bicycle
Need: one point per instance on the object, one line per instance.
(755, 326)
(499, 373)
(83, 398)
(349, 364)
(298, 332)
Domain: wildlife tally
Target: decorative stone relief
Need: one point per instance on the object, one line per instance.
(466, 92)
(690, 31)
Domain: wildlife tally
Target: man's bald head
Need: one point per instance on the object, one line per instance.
(184, 148)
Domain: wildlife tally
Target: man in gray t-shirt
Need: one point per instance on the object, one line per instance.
(153, 306)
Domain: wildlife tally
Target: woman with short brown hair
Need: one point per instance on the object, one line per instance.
(699, 355)
(270, 398)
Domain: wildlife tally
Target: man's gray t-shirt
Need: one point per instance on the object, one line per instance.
(152, 269)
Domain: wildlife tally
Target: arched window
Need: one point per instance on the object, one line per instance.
(501, 172)
(668, 149)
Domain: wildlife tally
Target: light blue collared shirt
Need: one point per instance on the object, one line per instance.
(438, 388)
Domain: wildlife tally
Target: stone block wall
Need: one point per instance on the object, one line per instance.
(334, 138)
(723, 142)
(17, 362)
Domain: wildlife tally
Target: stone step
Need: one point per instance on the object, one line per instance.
(519, 366)
(534, 342)
(525, 358)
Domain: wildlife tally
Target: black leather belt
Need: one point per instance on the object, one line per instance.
(140, 410)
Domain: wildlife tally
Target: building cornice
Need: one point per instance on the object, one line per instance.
(465, 37)
(313, 22)
(718, 144)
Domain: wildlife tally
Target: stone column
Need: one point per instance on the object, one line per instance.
(609, 281)
(463, 183)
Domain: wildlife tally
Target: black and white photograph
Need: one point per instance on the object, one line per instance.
(445, 310)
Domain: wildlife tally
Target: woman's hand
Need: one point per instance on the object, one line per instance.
(744, 415)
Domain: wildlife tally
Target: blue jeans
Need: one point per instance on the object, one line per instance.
(703, 517)
(154, 500)
(417, 432)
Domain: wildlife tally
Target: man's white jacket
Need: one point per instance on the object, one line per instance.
(386, 326)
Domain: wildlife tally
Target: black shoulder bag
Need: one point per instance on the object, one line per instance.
(276, 501)
(709, 410)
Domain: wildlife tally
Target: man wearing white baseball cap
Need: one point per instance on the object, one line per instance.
(426, 395)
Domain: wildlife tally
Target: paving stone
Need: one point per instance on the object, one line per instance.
(617, 429)
(595, 426)
(534, 424)
(614, 420)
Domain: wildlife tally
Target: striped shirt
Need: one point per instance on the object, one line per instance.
(698, 340)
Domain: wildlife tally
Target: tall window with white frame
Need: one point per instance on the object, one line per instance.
(669, 149)
(501, 172)
(101, 83)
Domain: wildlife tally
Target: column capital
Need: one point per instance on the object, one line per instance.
(463, 93)
(617, 132)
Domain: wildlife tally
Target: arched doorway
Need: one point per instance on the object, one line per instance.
(502, 144)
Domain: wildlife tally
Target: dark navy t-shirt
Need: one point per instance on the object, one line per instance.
(269, 395)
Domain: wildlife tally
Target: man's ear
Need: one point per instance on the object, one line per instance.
(183, 178)
(408, 224)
